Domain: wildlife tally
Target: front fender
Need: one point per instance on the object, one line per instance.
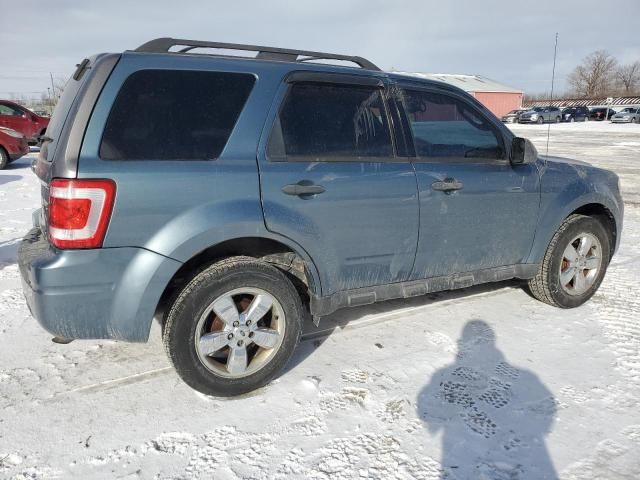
(560, 198)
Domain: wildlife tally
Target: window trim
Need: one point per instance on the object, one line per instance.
(310, 77)
(454, 160)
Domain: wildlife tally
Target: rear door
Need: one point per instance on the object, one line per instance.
(331, 180)
(15, 118)
(477, 211)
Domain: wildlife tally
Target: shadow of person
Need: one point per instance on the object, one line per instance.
(493, 416)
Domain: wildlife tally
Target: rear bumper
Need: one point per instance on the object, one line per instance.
(102, 293)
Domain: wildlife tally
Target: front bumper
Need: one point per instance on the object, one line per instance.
(620, 120)
(100, 293)
(527, 120)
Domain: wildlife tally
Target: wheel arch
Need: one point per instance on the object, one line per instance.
(280, 253)
(605, 216)
(596, 209)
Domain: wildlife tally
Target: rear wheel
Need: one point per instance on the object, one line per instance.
(4, 158)
(572, 120)
(558, 119)
(233, 327)
(574, 264)
(540, 120)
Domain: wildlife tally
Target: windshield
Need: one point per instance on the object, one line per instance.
(538, 109)
(627, 110)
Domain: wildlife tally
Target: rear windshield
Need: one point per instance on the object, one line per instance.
(59, 116)
(174, 115)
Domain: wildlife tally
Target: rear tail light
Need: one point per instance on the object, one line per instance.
(79, 212)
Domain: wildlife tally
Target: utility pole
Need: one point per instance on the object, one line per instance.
(53, 88)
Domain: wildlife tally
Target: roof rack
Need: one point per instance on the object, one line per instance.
(164, 45)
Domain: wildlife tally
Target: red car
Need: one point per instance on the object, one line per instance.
(13, 145)
(22, 120)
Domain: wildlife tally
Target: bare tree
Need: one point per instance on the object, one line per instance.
(594, 77)
(628, 78)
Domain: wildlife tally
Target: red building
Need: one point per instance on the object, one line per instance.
(498, 98)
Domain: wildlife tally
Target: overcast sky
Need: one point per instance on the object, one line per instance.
(510, 41)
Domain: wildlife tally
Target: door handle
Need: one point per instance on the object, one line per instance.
(447, 185)
(301, 189)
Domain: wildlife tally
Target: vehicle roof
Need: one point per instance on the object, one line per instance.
(256, 64)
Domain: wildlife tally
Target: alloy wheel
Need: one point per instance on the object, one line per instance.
(240, 332)
(581, 262)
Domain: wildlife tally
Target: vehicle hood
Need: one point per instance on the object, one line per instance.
(564, 161)
(571, 171)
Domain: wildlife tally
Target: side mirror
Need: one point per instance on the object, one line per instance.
(523, 151)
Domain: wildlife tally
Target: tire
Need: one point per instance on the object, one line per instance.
(547, 286)
(206, 372)
(557, 119)
(572, 120)
(540, 120)
(4, 158)
(586, 119)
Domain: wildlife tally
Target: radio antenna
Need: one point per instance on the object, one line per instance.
(553, 78)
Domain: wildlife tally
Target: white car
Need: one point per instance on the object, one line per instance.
(627, 115)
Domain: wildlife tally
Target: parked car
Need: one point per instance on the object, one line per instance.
(13, 145)
(304, 196)
(627, 115)
(600, 112)
(512, 116)
(541, 115)
(575, 114)
(22, 120)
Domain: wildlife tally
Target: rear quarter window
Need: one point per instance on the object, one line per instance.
(174, 115)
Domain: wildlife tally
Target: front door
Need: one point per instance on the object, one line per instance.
(477, 211)
(331, 181)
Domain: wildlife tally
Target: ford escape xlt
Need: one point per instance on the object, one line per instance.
(233, 198)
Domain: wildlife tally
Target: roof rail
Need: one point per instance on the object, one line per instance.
(164, 45)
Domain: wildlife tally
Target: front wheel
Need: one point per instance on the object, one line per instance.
(540, 120)
(233, 327)
(574, 264)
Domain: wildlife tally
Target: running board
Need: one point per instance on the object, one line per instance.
(322, 306)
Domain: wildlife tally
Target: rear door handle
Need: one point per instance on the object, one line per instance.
(447, 185)
(301, 189)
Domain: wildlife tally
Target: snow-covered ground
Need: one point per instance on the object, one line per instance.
(533, 391)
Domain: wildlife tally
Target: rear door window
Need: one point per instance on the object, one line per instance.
(444, 126)
(331, 121)
(174, 115)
